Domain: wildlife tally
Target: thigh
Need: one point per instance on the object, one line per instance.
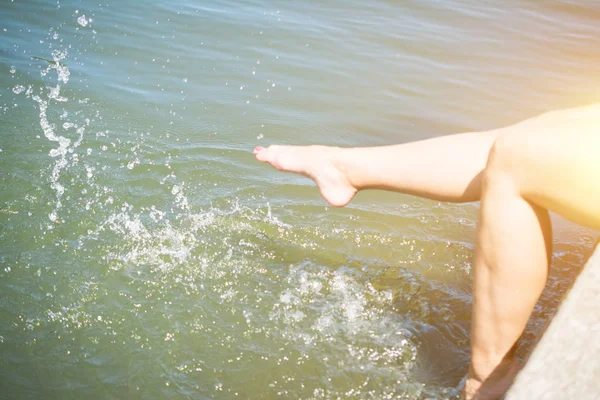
(555, 162)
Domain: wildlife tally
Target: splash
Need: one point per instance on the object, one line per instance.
(60, 153)
(61, 68)
(46, 96)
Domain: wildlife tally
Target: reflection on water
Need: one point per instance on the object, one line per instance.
(145, 254)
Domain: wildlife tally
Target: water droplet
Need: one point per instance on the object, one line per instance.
(18, 89)
(82, 21)
(260, 136)
(13, 69)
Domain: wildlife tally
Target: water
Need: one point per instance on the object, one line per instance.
(145, 254)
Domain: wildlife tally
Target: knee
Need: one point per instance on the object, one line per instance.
(505, 151)
(504, 158)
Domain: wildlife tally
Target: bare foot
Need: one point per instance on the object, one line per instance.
(316, 162)
(495, 386)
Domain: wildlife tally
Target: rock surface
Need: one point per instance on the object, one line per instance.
(566, 362)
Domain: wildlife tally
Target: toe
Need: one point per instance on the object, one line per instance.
(261, 153)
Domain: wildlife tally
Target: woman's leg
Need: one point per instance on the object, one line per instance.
(553, 166)
(551, 162)
(446, 168)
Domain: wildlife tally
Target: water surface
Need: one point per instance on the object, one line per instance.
(145, 254)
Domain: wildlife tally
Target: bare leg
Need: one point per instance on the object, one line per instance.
(511, 263)
(447, 168)
(554, 167)
(546, 163)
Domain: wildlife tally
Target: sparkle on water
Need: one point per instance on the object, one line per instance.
(144, 254)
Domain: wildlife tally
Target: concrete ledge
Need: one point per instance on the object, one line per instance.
(566, 362)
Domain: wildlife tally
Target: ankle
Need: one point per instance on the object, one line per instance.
(483, 367)
(490, 377)
(342, 159)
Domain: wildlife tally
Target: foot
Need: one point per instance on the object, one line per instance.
(316, 162)
(494, 386)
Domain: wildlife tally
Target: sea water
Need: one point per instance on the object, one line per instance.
(145, 254)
